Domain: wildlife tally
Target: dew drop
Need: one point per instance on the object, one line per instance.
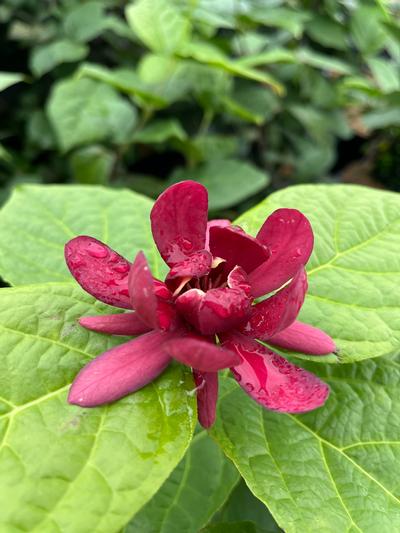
(97, 250)
(121, 268)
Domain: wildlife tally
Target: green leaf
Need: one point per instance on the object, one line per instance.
(367, 29)
(159, 24)
(85, 21)
(281, 17)
(31, 246)
(194, 491)
(10, 78)
(228, 181)
(92, 165)
(322, 61)
(386, 74)
(234, 527)
(382, 118)
(327, 32)
(160, 131)
(124, 80)
(242, 505)
(45, 57)
(64, 468)
(211, 55)
(84, 111)
(252, 103)
(354, 271)
(277, 55)
(334, 469)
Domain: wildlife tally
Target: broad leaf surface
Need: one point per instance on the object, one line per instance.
(37, 222)
(334, 469)
(354, 271)
(195, 490)
(64, 468)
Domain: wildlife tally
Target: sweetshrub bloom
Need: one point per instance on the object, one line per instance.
(206, 313)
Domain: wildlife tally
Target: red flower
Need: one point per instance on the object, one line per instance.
(204, 314)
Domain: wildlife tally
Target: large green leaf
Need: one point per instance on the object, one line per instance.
(197, 487)
(354, 272)
(37, 222)
(335, 469)
(64, 468)
(84, 111)
(159, 24)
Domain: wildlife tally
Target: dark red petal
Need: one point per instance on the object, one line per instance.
(279, 311)
(150, 298)
(196, 265)
(179, 221)
(120, 371)
(237, 248)
(120, 324)
(217, 222)
(272, 381)
(238, 279)
(289, 236)
(99, 270)
(299, 337)
(214, 311)
(207, 395)
(141, 290)
(200, 353)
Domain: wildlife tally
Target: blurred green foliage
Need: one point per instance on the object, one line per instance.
(233, 92)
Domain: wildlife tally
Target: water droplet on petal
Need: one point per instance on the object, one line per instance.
(121, 268)
(97, 250)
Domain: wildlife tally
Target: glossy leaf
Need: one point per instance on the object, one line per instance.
(335, 469)
(56, 458)
(31, 247)
(195, 490)
(354, 271)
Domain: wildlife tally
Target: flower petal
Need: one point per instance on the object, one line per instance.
(196, 265)
(217, 222)
(299, 337)
(237, 248)
(99, 270)
(200, 353)
(238, 279)
(141, 290)
(274, 382)
(279, 311)
(119, 324)
(179, 221)
(289, 236)
(120, 371)
(214, 311)
(207, 395)
(150, 298)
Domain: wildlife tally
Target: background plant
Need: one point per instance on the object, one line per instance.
(229, 92)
